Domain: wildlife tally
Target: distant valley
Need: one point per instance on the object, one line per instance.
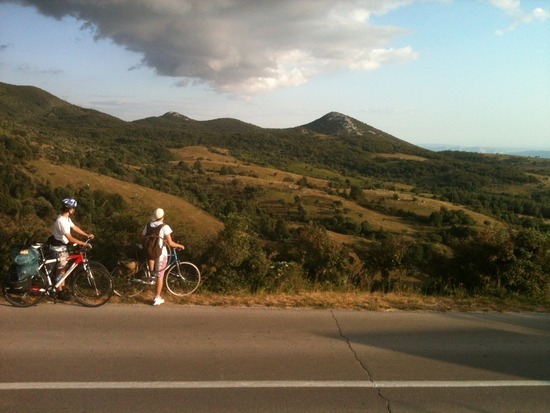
(530, 152)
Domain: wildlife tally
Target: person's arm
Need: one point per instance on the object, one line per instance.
(172, 243)
(75, 240)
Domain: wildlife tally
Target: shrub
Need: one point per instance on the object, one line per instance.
(235, 260)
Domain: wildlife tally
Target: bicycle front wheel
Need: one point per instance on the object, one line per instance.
(182, 278)
(92, 287)
(27, 294)
(96, 265)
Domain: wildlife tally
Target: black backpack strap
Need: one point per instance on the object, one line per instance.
(153, 231)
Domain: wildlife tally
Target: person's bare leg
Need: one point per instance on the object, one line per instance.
(159, 273)
(160, 280)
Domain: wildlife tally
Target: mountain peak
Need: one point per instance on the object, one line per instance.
(172, 115)
(335, 123)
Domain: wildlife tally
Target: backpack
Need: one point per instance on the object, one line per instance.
(151, 245)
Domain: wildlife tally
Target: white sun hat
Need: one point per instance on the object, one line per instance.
(157, 214)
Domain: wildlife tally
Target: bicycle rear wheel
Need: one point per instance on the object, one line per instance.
(182, 278)
(92, 287)
(127, 284)
(28, 296)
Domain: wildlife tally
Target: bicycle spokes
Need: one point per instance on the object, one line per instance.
(92, 287)
(182, 278)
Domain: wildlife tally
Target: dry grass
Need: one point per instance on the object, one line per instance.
(276, 182)
(350, 301)
(138, 197)
(277, 187)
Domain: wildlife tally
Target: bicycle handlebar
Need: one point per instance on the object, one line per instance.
(86, 247)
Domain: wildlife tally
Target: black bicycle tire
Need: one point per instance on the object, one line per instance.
(106, 291)
(97, 265)
(38, 294)
(193, 278)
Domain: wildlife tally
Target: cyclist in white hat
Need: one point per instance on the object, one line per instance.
(155, 228)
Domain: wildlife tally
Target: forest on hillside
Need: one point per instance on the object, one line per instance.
(262, 251)
(274, 241)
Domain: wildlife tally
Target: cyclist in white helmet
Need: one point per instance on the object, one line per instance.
(62, 236)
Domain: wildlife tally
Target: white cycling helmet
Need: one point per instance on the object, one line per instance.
(69, 203)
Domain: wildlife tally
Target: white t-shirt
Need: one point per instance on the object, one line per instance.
(164, 231)
(61, 227)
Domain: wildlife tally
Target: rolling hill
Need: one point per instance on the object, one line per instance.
(138, 197)
(335, 149)
(364, 187)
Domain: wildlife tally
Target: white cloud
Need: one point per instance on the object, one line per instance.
(377, 57)
(514, 9)
(508, 5)
(541, 14)
(241, 47)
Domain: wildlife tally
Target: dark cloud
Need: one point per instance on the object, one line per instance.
(240, 46)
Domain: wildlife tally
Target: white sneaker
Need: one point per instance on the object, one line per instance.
(158, 301)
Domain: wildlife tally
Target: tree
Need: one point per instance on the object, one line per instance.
(236, 260)
(282, 231)
(356, 193)
(503, 262)
(324, 261)
(387, 256)
(197, 167)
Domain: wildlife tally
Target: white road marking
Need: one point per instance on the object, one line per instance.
(92, 385)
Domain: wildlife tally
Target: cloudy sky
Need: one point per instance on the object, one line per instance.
(462, 72)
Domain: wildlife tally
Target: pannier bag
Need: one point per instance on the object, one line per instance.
(26, 264)
(15, 284)
(128, 267)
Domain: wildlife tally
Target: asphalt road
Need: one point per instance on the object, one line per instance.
(121, 358)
